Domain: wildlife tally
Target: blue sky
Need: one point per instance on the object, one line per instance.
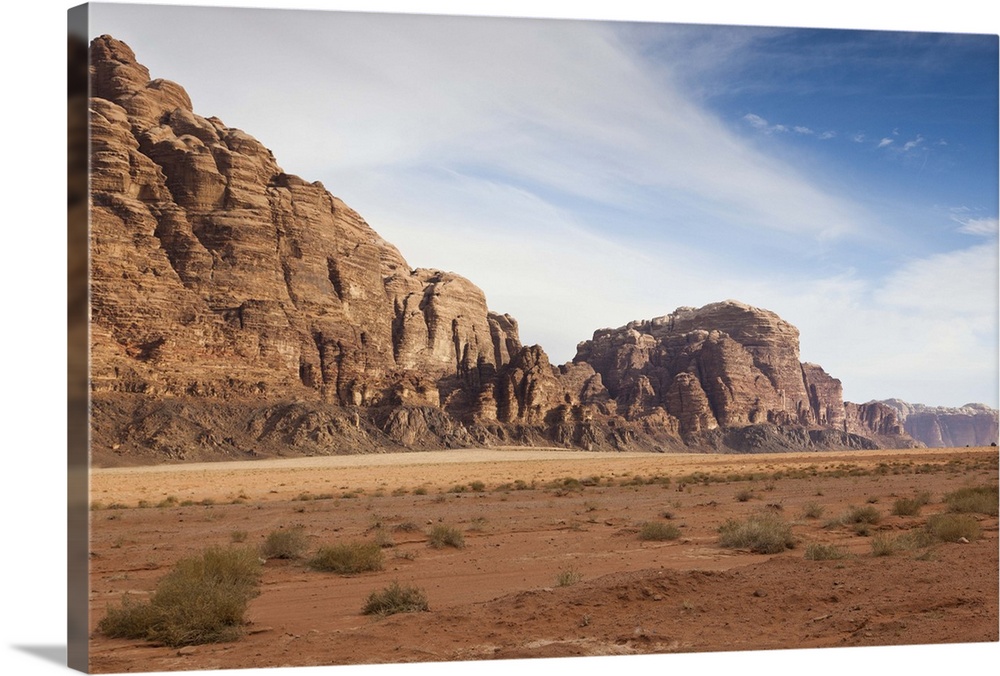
(588, 173)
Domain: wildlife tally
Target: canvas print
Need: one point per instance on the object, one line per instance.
(411, 338)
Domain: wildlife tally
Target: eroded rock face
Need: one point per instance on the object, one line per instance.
(214, 272)
(940, 427)
(721, 366)
(241, 311)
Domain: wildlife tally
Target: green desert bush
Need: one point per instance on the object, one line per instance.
(763, 532)
(202, 600)
(395, 599)
(978, 499)
(658, 531)
(287, 543)
(348, 558)
(441, 536)
(820, 552)
(953, 527)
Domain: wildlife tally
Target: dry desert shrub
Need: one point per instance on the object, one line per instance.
(289, 543)
(441, 536)
(886, 545)
(348, 558)
(869, 515)
(978, 499)
(202, 600)
(820, 552)
(907, 506)
(763, 533)
(953, 527)
(568, 577)
(658, 531)
(813, 510)
(395, 599)
(861, 519)
(383, 538)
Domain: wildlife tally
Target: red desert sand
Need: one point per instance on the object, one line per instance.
(556, 560)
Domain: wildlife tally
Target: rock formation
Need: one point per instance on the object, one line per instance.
(725, 375)
(240, 311)
(214, 274)
(939, 427)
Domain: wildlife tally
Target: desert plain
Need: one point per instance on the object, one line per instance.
(554, 561)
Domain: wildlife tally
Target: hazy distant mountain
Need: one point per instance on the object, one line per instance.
(939, 426)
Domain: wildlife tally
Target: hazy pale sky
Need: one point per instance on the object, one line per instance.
(587, 173)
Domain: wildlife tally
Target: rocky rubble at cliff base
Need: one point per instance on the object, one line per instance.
(241, 311)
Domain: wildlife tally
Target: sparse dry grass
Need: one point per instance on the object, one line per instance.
(658, 531)
(288, 543)
(348, 558)
(568, 577)
(976, 499)
(953, 527)
(202, 600)
(884, 544)
(441, 536)
(395, 599)
(821, 552)
(906, 507)
(763, 533)
(813, 510)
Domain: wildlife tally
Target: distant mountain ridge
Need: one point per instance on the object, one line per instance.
(942, 426)
(240, 311)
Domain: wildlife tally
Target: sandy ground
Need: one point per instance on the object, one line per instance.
(540, 518)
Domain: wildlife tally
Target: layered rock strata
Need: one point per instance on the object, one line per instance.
(940, 427)
(241, 311)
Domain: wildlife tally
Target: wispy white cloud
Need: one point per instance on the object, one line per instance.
(756, 121)
(910, 145)
(984, 227)
(761, 124)
(885, 142)
(928, 325)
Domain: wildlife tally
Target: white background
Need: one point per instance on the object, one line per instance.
(32, 229)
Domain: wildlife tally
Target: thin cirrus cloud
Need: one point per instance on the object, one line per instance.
(983, 227)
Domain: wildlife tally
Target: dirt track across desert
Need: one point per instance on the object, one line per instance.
(553, 563)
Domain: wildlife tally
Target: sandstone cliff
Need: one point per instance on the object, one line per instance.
(240, 311)
(938, 426)
(215, 274)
